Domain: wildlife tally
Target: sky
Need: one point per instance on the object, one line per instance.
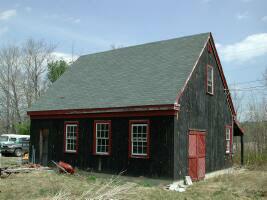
(239, 28)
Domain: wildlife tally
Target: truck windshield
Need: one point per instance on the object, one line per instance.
(3, 138)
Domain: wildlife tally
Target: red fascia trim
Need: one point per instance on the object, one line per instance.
(108, 115)
(217, 59)
(199, 131)
(180, 93)
(207, 67)
(103, 110)
(109, 135)
(77, 136)
(239, 126)
(231, 138)
(130, 139)
(209, 48)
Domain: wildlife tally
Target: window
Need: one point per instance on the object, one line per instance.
(228, 139)
(210, 80)
(102, 137)
(71, 137)
(3, 138)
(139, 139)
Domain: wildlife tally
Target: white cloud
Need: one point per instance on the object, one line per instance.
(264, 18)
(63, 18)
(64, 56)
(241, 16)
(5, 15)
(247, 49)
(3, 30)
(28, 8)
(218, 45)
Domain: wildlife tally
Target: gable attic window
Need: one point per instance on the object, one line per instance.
(139, 139)
(210, 80)
(71, 137)
(102, 138)
(228, 140)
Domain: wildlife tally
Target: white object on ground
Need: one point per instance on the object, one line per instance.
(180, 189)
(188, 180)
(177, 186)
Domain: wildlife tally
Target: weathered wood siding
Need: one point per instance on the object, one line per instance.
(200, 110)
(160, 163)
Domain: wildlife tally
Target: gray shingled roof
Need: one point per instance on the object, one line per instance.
(148, 74)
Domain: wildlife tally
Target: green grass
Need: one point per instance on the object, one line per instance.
(252, 160)
(241, 184)
(91, 178)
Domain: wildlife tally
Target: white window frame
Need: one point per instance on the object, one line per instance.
(210, 80)
(140, 140)
(228, 140)
(102, 138)
(73, 137)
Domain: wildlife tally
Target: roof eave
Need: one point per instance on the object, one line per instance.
(165, 109)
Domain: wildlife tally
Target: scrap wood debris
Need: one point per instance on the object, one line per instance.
(180, 186)
(6, 171)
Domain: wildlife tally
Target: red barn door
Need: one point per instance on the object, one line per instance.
(196, 155)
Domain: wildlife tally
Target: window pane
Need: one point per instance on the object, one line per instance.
(209, 88)
(228, 132)
(134, 129)
(227, 146)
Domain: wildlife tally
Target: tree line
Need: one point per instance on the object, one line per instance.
(26, 71)
(254, 121)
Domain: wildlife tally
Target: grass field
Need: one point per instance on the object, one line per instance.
(241, 184)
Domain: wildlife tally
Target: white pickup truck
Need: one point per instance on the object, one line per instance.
(14, 144)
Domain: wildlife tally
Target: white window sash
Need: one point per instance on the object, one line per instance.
(139, 140)
(210, 80)
(106, 138)
(228, 140)
(73, 132)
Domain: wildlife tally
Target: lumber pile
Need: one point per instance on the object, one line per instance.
(6, 171)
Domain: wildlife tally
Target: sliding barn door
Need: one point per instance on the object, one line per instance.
(197, 155)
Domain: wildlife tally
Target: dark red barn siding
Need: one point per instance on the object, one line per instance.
(159, 163)
(199, 110)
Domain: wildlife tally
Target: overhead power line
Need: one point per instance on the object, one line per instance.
(248, 88)
(246, 82)
(244, 68)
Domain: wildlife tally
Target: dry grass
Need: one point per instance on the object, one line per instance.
(242, 184)
(8, 161)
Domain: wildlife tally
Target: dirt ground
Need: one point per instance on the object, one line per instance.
(239, 184)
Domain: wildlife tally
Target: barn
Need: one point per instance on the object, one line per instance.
(161, 109)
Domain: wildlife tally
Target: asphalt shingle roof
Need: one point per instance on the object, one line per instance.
(148, 74)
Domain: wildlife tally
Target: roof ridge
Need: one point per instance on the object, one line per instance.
(149, 43)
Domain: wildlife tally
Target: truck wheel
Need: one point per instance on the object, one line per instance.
(18, 152)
